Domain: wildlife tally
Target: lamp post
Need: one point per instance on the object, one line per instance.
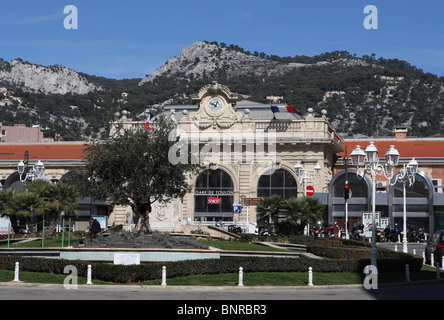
(303, 175)
(370, 161)
(29, 174)
(407, 173)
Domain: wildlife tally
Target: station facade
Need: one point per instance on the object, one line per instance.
(251, 152)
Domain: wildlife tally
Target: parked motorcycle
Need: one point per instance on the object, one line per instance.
(392, 234)
(358, 231)
(380, 235)
(330, 230)
(314, 231)
(412, 235)
(421, 235)
(415, 236)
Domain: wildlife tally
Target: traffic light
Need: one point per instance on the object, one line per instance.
(346, 191)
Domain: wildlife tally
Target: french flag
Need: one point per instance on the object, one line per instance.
(147, 123)
(290, 109)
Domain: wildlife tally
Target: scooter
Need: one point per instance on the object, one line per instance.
(358, 231)
(380, 235)
(330, 230)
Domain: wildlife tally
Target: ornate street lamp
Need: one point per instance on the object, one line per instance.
(407, 173)
(29, 174)
(370, 161)
(303, 175)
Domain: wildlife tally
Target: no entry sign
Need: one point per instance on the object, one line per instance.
(309, 191)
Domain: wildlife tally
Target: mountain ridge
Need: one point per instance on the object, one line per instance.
(204, 58)
(44, 79)
(364, 96)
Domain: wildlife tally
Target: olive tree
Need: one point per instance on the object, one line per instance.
(133, 169)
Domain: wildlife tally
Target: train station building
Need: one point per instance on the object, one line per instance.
(253, 150)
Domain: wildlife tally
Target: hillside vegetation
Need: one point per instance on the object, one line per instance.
(364, 96)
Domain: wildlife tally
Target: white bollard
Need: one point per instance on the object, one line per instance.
(442, 263)
(16, 272)
(407, 273)
(423, 258)
(414, 252)
(164, 276)
(89, 275)
(432, 259)
(241, 277)
(396, 248)
(310, 276)
(438, 272)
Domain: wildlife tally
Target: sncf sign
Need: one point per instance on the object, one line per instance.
(213, 200)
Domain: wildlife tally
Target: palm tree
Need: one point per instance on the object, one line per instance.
(302, 211)
(270, 206)
(64, 199)
(294, 210)
(22, 204)
(58, 198)
(315, 211)
(5, 197)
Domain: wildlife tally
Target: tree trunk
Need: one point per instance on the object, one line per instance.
(143, 220)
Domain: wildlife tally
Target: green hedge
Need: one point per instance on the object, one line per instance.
(152, 271)
(339, 256)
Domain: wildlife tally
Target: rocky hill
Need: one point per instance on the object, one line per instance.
(364, 96)
(40, 79)
(203, 59)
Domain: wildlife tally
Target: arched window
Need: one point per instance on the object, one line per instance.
(420, 189)
(358, 188)
(418, 200)
(216, 184)
(280, 182)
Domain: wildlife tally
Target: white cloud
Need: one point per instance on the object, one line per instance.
(30, 20)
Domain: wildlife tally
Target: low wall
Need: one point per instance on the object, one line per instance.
(152, 255)
(107, 255)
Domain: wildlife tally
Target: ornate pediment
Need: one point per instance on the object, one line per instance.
(216, 107)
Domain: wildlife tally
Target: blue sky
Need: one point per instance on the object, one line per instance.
(132, 38)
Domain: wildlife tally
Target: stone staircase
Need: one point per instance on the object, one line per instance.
(211, 230)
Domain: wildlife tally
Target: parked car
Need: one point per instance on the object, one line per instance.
(435, 246)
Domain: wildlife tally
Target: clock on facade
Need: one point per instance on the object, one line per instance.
(215, 105)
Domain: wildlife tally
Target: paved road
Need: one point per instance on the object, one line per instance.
(416, 291)
(418, 247)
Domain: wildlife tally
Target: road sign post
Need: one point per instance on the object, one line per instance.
(250, 202)
(309, 191)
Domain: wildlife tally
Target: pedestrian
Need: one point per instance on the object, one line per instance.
(94, 228)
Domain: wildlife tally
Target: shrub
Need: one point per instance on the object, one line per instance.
(153, 271)
(341, 256)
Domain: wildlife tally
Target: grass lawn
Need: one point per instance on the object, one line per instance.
(241, 246)
(48, 243)
(36, 277)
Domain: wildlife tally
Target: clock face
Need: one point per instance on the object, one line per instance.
(215, 105)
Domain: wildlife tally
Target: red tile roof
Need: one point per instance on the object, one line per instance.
(44, 151)
(417, 148)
